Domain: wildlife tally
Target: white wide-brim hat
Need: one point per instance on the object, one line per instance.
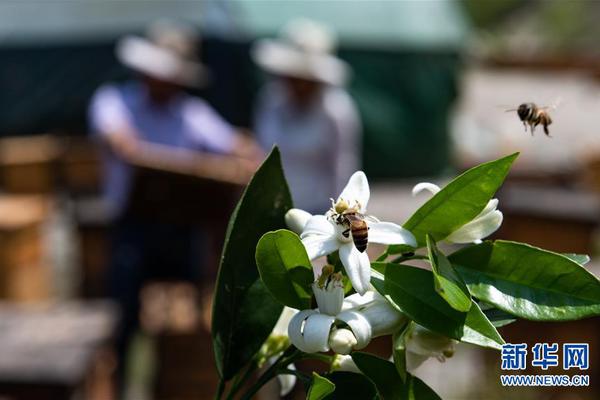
(167, 54)
(303, 50)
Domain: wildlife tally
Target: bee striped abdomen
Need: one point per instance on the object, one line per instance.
(360, 235)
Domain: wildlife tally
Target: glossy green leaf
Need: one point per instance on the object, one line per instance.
(459, 202)
(581, 259)
(278, 254)
(528, 282)
(388, 383)
(244, 312)
(410, 289)
(319, 388)
(447, 282)
(349, 385)
(498, 318)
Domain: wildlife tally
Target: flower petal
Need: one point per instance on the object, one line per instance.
(358, 267)
(390, 233)
(329, 300)
(281, 327)
(317, 225)
(320, 245)
(286, 382)
(357, 189)
(316, 333)
(430, 187)
(357, 300)
(295, 328)
(344, 363)
(296, 220)
(489, 207)
(414, 361)
(360, 327)
(477, 229)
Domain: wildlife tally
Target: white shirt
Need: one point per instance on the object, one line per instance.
(186, 122)
(320, 144)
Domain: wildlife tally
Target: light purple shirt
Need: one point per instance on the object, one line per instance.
(186, 122)
(320, 144)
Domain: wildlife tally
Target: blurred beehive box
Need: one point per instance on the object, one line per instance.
(29, 164)
(23, 271)
(171, 312)
(93, 227)
(56, 351)
(80, 166)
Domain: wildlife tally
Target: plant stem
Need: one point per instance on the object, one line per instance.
(400, 259)
(220, 389)
(241, 379)
(383, 256)
(289, 356)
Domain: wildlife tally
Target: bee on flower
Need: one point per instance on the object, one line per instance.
(343, 228)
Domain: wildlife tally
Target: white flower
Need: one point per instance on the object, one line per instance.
(278, 341)
(483, 225)
(342, 325)
(421, 343)
(324, 234)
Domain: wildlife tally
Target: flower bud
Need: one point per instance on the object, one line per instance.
(296, 220)
(342, 341)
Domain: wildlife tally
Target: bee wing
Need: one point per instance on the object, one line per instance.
(371, 218)
(506, 108)
(555, 104)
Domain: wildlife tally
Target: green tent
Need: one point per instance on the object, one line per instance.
(405, 59)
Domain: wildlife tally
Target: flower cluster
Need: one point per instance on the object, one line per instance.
(345, 324)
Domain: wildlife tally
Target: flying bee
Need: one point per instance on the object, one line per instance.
(532, 115)
(354, 221)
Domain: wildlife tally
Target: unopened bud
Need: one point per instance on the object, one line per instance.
(342, 341)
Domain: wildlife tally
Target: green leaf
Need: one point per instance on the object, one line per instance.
(244, 312)
(410, 289)
(528, 282)
(459, 202)
(382, 373)
(349, 385)
(388, 383)
(498, 318)
(581, 259)
(283, 266)
(448, 283)
(320, 387)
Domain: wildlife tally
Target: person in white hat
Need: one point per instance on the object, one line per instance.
(307, 113)
(154, 108)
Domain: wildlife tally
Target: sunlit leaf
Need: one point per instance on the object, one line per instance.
(458, 202)
(284, 268)
(528, 282)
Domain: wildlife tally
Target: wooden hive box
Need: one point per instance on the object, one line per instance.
(23, 271)
(29, 164)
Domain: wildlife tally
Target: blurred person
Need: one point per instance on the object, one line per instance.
(154, 108)
(307, 113)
